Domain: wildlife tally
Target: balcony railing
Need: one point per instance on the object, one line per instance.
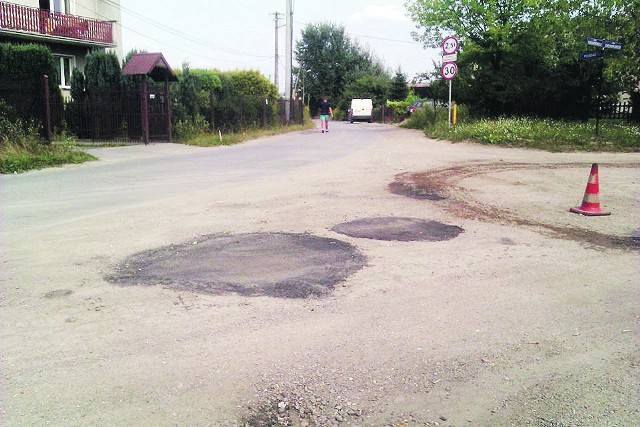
(34, 20)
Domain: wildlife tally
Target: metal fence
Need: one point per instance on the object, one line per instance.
(619, 110)
(104, 116)
(116, 115)
(33, 101)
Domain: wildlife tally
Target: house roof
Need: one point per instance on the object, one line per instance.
(150, 64)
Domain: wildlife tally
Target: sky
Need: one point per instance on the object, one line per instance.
(240, 34)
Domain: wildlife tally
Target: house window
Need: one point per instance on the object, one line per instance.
(61, 6)
(65, 64)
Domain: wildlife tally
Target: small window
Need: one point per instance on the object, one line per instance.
(64, 65)
(61, 6)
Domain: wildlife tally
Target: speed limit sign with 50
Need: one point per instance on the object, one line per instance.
(449, 70)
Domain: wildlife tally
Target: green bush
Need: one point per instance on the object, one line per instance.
(339, 113)
(22, 67)
(188, 129)
(102, 71)
(425, 118)
(14, 130)
(7, 114)
(546, 134)
(21, 150)
(27, 155)
(397, 109)
(30, 62)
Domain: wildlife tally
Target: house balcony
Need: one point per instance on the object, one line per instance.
(38, 24)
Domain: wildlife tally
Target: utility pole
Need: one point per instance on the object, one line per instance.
(276, 78)
(288, 62)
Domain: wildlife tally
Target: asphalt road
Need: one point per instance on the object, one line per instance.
(140, 174)
(515, 312)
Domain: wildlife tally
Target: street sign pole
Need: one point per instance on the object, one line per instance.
(450, 46)
(449, 104)
(599, 54)
(599, 102)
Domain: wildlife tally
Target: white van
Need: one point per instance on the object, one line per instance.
(361, 109)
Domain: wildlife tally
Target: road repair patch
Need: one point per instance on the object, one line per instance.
(445, 182)
(398, 229)
(281, 265)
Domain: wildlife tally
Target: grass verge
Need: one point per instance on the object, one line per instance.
(543, 134)
(21, 156)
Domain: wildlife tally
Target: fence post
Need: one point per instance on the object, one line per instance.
(145, 110)
(47, 110)
(242, 125)
(212, 121)
(264, 113)
(168, 101)
(634, 114)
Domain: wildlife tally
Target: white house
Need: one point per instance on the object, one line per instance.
(71, 29)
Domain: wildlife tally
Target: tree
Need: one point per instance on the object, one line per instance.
(78, 84)
(102, 71)
(374, 87)
(22, 66)
(330, 61)
(252, 84)
(399, 89)
(23, 62)
(519, 57)
(187, 96)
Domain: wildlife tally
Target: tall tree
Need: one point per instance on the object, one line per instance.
(102, 71)
(187, 92)
(368, 86)
(521, 56)
(329, 61)
(399, 89)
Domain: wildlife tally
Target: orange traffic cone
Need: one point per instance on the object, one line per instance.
(591, 201)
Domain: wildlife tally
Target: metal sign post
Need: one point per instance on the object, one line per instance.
(449, 121)
(598, 54)
(450, 46)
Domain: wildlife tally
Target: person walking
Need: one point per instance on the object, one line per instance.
(325, 113)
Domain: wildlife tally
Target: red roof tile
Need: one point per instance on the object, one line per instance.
(150, 64)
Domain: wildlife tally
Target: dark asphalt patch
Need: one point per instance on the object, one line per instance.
(444, 181)
(281, 265)
(420, 193)
(398, 229)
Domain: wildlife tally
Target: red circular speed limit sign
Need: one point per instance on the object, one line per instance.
(449, 70)
(450, 45)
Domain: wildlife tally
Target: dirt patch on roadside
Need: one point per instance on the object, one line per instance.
(443, 182)
(280, 265)
(398, 229)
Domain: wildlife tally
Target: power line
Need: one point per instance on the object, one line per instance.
(369, 37)
(385, 39)
(181, 48)
(181, 34)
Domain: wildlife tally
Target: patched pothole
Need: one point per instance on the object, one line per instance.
(421, 193)
(398, 229)
(443, 182)
(282, 265)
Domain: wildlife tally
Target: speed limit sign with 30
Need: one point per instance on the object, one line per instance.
(449, 70)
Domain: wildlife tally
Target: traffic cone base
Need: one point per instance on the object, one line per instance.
(591, 201)
(595, 212)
